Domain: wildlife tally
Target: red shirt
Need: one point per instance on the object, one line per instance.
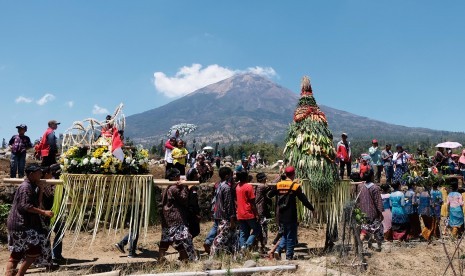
(245, 196)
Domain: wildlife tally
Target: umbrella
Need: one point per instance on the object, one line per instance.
(183, 129)
(207, 148)
(449, 145)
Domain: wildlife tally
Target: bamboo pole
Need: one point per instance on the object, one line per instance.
(235, 271)
(157, 182)
(18, 181)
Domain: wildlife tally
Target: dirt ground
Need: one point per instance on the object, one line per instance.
(394, 258)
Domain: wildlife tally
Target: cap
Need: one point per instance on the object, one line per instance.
(23, 126)
(344, 134)
(289, 170)
(32, 168)
(53, 122)
(374, 141)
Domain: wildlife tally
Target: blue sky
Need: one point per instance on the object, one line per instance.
(402, 62)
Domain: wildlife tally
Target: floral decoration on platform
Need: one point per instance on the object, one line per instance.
(100, 160)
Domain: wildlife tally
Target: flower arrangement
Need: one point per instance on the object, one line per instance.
(82, 160)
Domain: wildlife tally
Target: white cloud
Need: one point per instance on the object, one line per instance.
(264, 71)
(22, 99)
(70, 104)
(189, 79)
(45, 99)
(99, 110)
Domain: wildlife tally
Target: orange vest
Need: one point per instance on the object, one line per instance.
(284, 186)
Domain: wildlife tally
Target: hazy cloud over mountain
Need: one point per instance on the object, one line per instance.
(189, 79)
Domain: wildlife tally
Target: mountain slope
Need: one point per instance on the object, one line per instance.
(249, 107)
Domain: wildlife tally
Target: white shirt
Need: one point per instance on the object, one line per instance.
(402, 159)
(168, 157)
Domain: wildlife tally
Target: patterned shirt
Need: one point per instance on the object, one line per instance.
(262, 201)
(224, 208)
(20, 219)
(175, 205)
(370, 201)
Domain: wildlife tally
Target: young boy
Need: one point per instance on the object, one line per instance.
(246, 212)
(224, 213)
(263, 204)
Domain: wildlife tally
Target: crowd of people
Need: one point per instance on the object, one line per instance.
(396, 209)
(393, 212)
(240, 208)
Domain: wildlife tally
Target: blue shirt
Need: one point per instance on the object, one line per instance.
(397, 206)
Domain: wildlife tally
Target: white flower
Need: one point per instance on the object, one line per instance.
(62, 167)
(141, 162)
(74, 162)
(93, 160)
(128, 160)
(66, 161)
(133, 161)
(85, 161)
(98, 161)
(112, 169)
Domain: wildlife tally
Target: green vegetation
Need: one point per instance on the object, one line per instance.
(4, 211)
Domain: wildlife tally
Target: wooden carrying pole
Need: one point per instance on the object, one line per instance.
(157, 182)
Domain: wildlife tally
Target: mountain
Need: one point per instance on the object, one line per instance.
(243, 107)
(249, 107)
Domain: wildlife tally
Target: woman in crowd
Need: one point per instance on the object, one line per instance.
(26, 236)
(455, 206)
(174, 210)
(371, 204)
(400, 159)
(400, 222)
(204, 168)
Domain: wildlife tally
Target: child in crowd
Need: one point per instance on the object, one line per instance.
(387, 214)
(263, 204)
(455, 207)
(400, 222)
(424, 209)
(411, 209)
(436, 204)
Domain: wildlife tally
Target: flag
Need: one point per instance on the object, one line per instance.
(116, 145)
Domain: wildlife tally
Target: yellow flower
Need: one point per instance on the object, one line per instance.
(71, 151)
(98, 152)
(144, 153)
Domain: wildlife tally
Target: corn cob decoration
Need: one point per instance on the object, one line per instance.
(309, 148)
